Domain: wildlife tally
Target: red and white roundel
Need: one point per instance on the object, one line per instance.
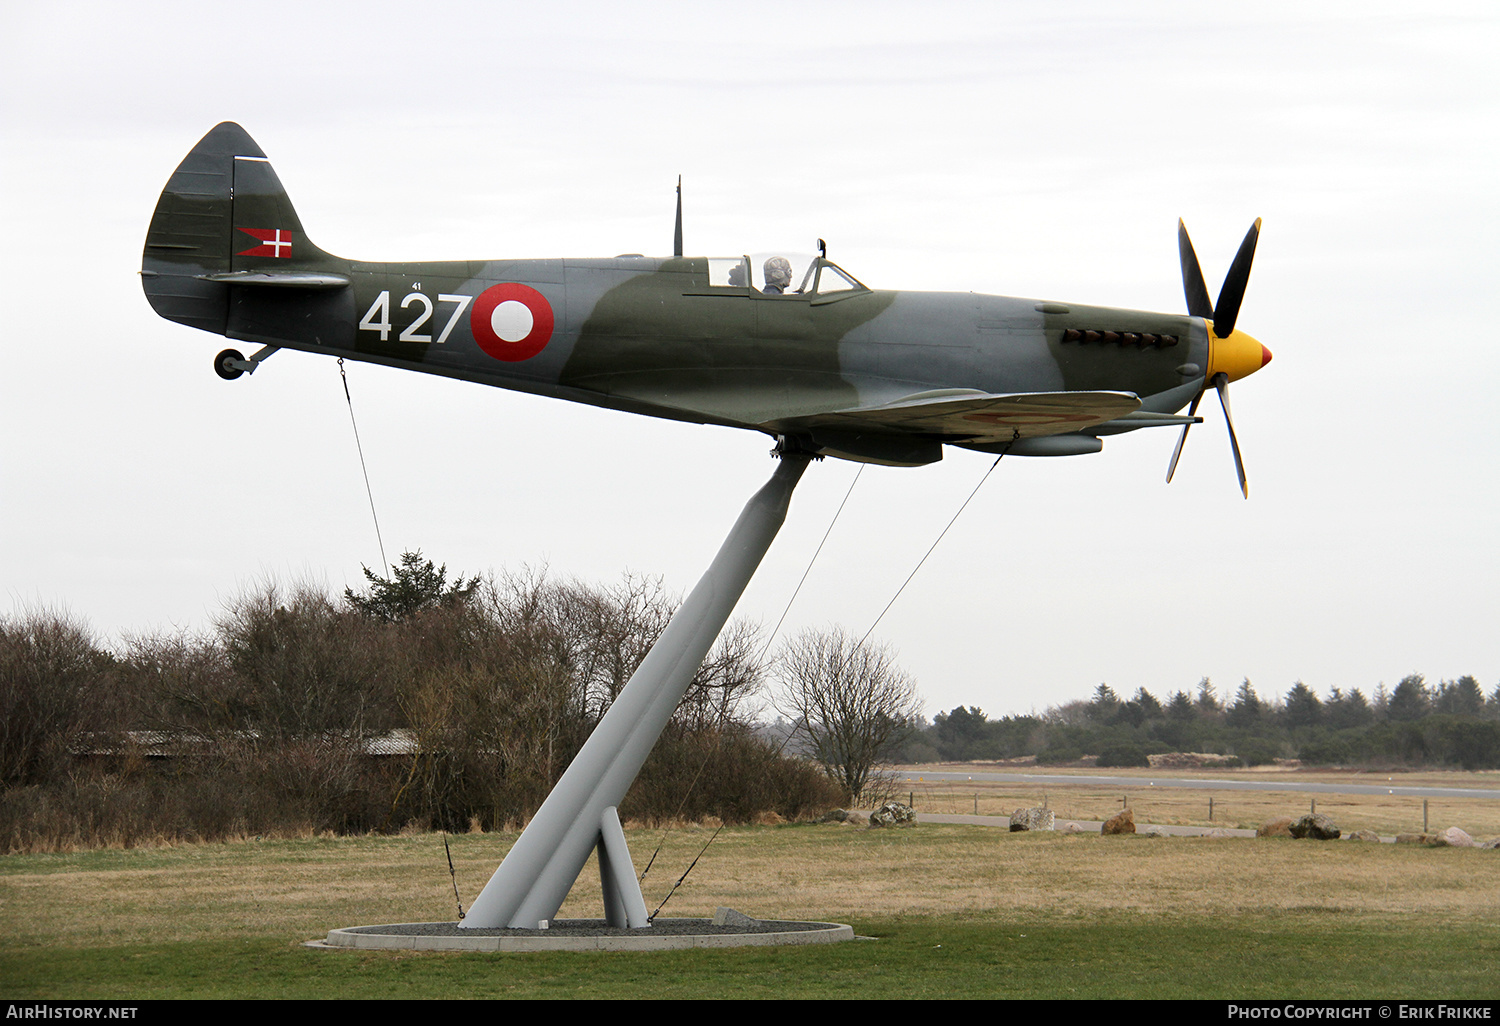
(511, 322)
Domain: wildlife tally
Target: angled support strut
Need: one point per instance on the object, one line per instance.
(579, 815)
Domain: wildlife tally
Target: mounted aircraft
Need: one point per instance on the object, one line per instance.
(797, 348)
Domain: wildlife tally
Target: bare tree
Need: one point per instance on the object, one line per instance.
(727, 682)
(850, 701)
(610, 630)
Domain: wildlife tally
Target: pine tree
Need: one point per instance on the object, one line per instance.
(415, 585)
(1302, 706)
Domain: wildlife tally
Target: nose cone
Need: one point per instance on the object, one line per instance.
(1237, 356)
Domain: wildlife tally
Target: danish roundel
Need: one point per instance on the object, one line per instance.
(511, 322)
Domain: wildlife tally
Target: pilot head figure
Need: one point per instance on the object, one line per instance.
(778, 275)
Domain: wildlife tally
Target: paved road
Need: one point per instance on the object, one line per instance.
(1204, 785)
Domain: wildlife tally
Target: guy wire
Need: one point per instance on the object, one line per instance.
(453, 876)
(785, 741)
(363, 469)
(934, 545)
(684, 875)
(796, 591)
(942, 534)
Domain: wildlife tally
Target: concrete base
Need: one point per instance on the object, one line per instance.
(586, 935)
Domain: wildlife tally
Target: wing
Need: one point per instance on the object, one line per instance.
(978, 416)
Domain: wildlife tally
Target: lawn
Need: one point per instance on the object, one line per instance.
(952, 911)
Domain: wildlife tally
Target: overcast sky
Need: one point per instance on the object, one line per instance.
(1031, 150)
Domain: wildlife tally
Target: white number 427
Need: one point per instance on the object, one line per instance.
(378, 317)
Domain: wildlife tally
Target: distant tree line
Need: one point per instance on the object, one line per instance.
(418, 701)
(1449, 724)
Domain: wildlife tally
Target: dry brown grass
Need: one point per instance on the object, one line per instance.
(300, 889)
(1088, 800)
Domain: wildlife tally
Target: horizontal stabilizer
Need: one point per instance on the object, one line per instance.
(281, 279)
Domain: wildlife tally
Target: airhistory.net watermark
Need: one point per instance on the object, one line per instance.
(43, 1010)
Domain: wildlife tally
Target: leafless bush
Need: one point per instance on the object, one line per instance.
(307, 666)
(263, 725)
(53, 684)
(731, 775)
(183, 683)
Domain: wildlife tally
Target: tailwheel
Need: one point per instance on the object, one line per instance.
(229, 364)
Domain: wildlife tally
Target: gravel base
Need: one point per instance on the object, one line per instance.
(585, 935)
(595, 928)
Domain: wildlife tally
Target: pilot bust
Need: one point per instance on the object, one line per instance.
(778, 275)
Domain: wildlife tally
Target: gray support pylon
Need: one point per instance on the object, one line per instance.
(623, 903)
(537, 874)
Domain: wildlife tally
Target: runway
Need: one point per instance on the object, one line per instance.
(1085, 780)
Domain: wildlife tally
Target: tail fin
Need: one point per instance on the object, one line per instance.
(223, 213)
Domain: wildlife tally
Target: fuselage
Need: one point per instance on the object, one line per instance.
(686, 338)
(650, 335)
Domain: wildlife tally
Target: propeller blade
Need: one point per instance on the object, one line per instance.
(1182, 438)
(1221, 382)
(1193, 286)
(1227, 310)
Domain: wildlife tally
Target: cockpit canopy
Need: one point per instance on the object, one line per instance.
(780, 273)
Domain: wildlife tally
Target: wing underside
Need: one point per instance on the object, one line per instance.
(981, 417)
(913, 429)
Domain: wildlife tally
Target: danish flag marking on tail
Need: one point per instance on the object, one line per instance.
(274, 242)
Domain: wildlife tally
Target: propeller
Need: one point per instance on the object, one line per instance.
(1231, 354)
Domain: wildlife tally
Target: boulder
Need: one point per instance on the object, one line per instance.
(1071, 828)
(1281, 827)
(1120, 823)
(1491, 844)
(1032, 819)
(1154, 831)
(1413, 838)
(1218, 833)
(1364, 835)
(725, 916)
(836, 816)
(1453, 837)
(1315, 827)
(893, 814)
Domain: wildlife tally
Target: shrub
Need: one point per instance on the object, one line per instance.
(1126, 754)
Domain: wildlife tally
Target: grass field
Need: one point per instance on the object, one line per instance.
(954, 911)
